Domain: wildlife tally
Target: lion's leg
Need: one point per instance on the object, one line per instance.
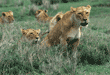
(73, 44)
(63, 42)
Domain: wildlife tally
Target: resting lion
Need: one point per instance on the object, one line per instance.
(67, 30)
(30, 35)
(42, 16)
(7, 17)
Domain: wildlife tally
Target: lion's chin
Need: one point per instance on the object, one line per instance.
(34, 42)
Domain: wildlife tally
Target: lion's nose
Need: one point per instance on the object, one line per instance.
(36, 37)
(84, 19)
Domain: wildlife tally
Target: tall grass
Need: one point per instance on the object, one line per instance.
(23, 58)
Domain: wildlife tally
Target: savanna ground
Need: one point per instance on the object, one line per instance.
(24, 59)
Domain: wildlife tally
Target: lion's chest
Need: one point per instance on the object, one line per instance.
(74, 33)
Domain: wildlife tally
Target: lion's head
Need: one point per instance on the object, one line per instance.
(31, 35)
(82, 14)
(7, 17)
(41, 15)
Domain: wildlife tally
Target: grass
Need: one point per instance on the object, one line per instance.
(93, 51)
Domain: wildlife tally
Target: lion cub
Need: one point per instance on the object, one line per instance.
(7, 17)
(42, 16)
(30, 35)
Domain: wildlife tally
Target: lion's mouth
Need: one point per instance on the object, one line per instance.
(34, 42)
(84, 24)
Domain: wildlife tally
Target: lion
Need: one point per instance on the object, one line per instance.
(67, 31)
(7, 17)
(30, 35)
(42, 16)
(55, 19)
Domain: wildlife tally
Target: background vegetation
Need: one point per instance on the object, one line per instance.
(24, 59)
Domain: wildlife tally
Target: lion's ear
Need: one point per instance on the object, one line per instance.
(88, 6)
(3, 13)
(38, 12)
(73, 9)
(23, 31)
(46, 10)
(11, 12)
(38, 30)
(58, 18)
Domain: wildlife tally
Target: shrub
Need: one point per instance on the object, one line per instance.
(6, 3)
(55, 6)
(39, 2)
(46, 4)
(32, 9)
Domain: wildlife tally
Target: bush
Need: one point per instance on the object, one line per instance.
(8, 3)
(39, 2)
(46, 4)
(33, 9)
(92, 53)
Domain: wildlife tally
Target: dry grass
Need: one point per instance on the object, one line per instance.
(46, 4)
(55, 6)
(49, 60)
(24, 58)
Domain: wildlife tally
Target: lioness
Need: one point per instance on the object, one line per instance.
(55, 19)
(30, 35)
(42, 16)
(67, 30)
(7, 17)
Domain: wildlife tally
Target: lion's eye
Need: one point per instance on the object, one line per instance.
(38, 11)
(86, 12)
(79, 13)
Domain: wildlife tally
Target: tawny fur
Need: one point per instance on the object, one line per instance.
(55, 19)
(7, 17)
(67, 30)
(30, 35)
(42, 16)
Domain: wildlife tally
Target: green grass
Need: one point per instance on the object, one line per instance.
(93, 51)
(93, 69)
